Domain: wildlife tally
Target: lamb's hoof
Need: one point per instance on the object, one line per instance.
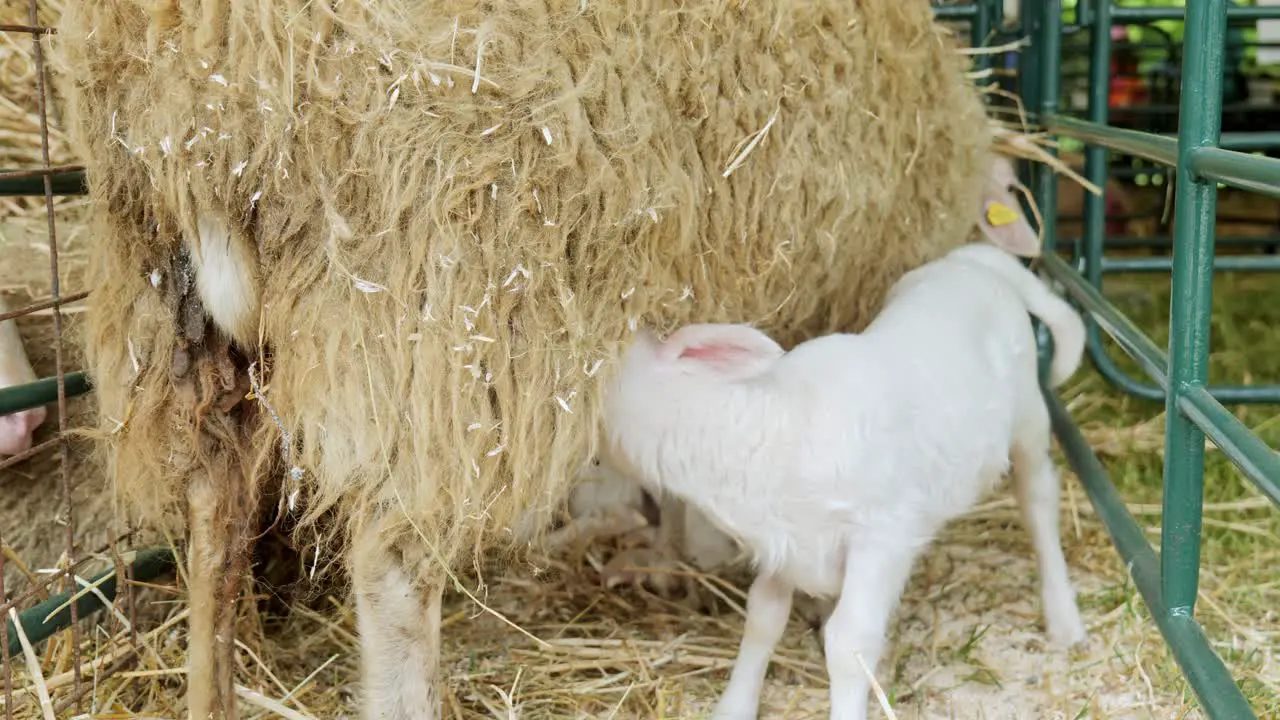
(1065, 628)
(647, 567)
(734, 711)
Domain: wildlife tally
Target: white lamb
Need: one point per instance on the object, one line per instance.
(835, 464)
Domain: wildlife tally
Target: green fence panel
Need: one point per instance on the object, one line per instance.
(1168, 581)
(1204, 670)
(1163, 150)
(1195, 212)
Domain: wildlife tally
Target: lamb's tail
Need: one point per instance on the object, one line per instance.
(1064, 322)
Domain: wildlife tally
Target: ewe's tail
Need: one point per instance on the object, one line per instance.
(226, 277)
(1063, 321)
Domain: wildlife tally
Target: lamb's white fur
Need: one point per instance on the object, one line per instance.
(684, 532)
(835, 464)
(16, 429)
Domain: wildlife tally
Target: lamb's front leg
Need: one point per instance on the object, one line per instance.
(398, 618)
(874, 577)
(768, 607)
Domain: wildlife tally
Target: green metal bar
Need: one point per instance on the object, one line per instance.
(955, 12)
(1130, 142)
(41, 392)
(1049, 41)
(1204, 670)
(1231, 140)
(67, 183)
(1236, 13)
(1166, 241)
(1029, 60)
(1255, 263)
(1150, 358)
(147, 565)
(1084, 13)
(1046, 29)
(1200, 123)
(1249, 140)
(1095, 165)
(979, 29)
(1242, 170)
(1245, 449)
(1130, 337)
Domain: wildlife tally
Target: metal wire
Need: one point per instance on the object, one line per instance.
(45, 305)
(37, 49)
(48, 179)
(4, 646)
(37, 31)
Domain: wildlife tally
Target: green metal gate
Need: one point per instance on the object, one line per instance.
(1167, 581)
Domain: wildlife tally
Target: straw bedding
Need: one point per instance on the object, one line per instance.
(622, 654)
(456, 211)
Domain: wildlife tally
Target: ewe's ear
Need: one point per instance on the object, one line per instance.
(732, 351)
(1001, 220)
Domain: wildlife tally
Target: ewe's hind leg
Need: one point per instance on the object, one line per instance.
(221, 507)
(398, 619)
(768, 606)
(874, 577)
(1037, 488)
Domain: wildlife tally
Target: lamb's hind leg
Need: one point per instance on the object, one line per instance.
(221, 509)
(1037, 487)
(398, 618)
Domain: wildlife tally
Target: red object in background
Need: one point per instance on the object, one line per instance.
(1127, 86)
(1126, 91)
(1114, 206)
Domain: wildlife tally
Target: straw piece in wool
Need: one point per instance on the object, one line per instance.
(460, 210)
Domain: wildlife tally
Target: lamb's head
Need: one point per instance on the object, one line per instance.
(697, 354)
(1000, 219)
(663, 384)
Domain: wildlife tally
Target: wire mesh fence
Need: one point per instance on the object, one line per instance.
(60, 675)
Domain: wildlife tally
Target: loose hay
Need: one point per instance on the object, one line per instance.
(631, 655)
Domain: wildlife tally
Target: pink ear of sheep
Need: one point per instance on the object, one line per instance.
(1001, 219)
(731, 351)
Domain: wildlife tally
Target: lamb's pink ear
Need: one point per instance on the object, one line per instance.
(733, 351)
(1001, 220)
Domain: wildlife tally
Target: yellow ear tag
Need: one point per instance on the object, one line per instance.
(999, 214)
